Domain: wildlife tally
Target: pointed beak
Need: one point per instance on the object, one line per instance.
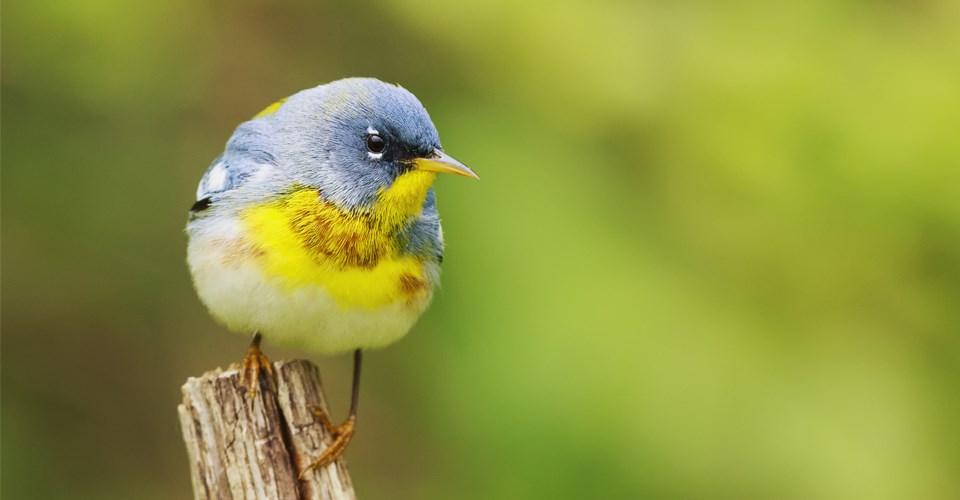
(438, 161)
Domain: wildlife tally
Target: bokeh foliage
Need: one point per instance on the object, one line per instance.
(715, 250)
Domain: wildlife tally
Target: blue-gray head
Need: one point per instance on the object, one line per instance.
(352, 139)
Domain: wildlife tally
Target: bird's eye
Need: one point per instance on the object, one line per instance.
(375, 143)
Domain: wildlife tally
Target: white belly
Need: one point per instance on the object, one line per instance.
(237, 293)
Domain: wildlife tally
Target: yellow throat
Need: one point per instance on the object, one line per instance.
(302, 240)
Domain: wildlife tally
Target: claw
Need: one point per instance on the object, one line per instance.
(253, 363)
(324, 419)
(342, 434)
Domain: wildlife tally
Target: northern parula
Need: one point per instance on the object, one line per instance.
(318, 227)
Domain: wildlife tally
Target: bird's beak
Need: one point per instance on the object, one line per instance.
(438, 161)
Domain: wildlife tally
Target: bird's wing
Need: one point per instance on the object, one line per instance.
(245, 155)
(426, 235)
(221, 176)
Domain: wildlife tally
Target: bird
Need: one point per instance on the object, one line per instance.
(317, 228)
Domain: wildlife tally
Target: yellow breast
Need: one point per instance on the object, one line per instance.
(301, 240)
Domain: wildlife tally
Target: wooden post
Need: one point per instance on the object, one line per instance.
(242, 447)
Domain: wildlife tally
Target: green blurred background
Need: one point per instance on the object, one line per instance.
(715, 250)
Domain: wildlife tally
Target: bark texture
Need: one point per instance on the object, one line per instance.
(242, 447)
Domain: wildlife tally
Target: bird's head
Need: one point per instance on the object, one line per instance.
(366, 145)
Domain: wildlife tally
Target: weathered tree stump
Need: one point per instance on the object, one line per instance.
(242, 447)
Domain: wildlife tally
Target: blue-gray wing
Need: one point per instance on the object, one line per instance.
(245, 155)
(426, 235)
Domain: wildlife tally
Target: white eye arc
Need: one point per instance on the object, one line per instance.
(376, 144)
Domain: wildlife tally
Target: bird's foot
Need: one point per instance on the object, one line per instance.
(254, 363)
(342, 434)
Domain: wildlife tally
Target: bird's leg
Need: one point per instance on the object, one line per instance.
(343, 433)
(253, 363)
